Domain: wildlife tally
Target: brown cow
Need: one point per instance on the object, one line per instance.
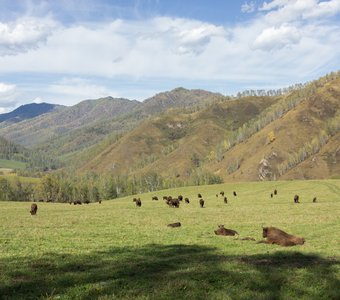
(187, 200)
(100, 201)
(180, 197)
(225, 200)
(34, 209)
(234, 193)
(275, 192)
(222, 193)
(279, 237)
(172, 202)
(201, 203)
(271, 195)
(199, 196)
(314, 200)
(224, 231)
(138, 202)
(154, 198)
(296, 199)
(173, 225)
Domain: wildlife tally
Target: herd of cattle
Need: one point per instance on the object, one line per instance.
(273, 235)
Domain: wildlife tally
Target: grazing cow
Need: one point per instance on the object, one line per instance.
(279, 237)
(87, 201)
(180, 197)
(187, 200)
(165, 197)
(222, 193)
(34, 209)
(271, 195)
(234, 193)
(314, 200)
(138, 202)
(296, 199)
(201, 203)
(173, 202)
(134, 199)
(173, 225)
(154, 198)
(199, 196)
(225, 200)
(77, 202)
(275, 192)
(41, 200)
(224, 231)
(100, 201)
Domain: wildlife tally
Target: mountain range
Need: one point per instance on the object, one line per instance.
(182, 132)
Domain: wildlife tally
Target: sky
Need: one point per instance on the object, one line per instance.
(66, 51)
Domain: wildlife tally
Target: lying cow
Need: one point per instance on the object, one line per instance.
(279, 237)
(224, 231)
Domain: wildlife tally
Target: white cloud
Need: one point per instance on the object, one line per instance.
(296, 47)
(276, 38)
(8, 93)
(6, 89)
(38, 100)
(248, 7)
(273, 4)
(279, 11)
(24, 34)
(79, 88)
(322, 9)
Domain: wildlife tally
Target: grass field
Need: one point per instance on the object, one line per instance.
(118, 251)
(11, 164)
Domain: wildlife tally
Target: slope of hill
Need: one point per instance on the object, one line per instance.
(27, 111)
(89, 122)
(47, 127)
(167, 143)
(254, 138)
(304, 131)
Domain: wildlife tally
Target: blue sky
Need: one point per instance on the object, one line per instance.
(66, 51)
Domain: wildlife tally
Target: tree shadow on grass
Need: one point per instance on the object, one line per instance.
(169, 272)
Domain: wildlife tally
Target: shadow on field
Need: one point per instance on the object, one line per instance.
(169, 272)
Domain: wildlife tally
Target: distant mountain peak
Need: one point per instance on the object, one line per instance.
(28, 111)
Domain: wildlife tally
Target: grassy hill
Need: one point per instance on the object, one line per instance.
(167, 143)
(301, 133)
(251, 138)
(130, 252)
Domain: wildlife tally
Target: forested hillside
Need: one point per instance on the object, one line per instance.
(249, 138)
(35, 160)
(191, 136)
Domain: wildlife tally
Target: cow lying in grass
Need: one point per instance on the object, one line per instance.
(279, 237)
(224, 231)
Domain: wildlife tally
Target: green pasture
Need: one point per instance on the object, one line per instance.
(116, 250)
(11, 164)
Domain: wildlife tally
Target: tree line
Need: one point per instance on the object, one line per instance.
(62, 187)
